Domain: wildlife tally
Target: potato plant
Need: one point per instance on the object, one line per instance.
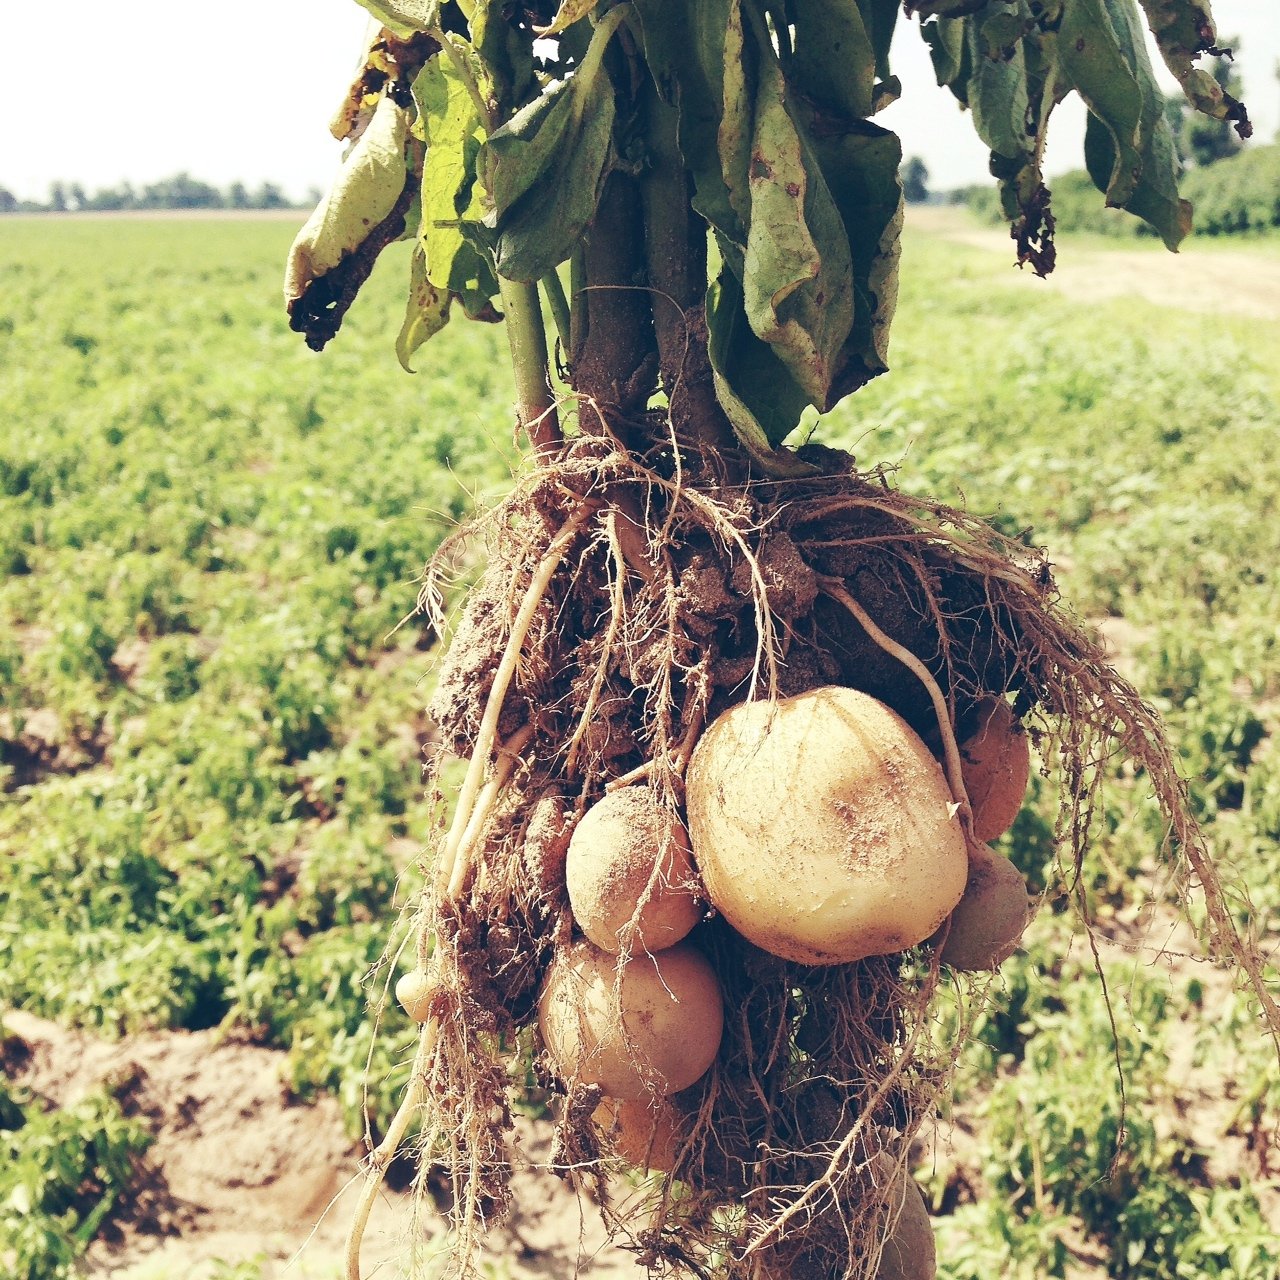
(750, 675)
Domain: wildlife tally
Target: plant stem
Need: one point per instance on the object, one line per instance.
(553, 286)
(675, 248)
(535, 405)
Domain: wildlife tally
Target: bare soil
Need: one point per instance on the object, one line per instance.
(1237, 282)
(241, 1172)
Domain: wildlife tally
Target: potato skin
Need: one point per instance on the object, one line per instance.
(414, 992)
(909, 1252)
(672, 1019)
(991, 917)
(647, 1135)
(995, 763)
(823, 828)
(616, 849)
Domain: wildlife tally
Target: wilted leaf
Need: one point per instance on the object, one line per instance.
(505, 56)
(880, 17)
(385, 57)
(948, 43)
(363, 212)
(695, 51)
(427, 312)
(797, 274)
(450, 194)
(1184, 30)
(860, 164)
(1155, 197)
(404, 17)
(944, 8)
(568, 13)
(997, 89)
(1108, 67)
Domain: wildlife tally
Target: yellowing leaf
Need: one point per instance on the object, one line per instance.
(426, 314)
(365, 191)
(568, 13)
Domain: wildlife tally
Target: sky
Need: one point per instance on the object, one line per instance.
(138, 90)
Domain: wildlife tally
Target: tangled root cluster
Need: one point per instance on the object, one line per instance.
(620, 612)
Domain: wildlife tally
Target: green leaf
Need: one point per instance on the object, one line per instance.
(1110, 72)
(797, 272)
(546, 167)
(365, 191)
(997, 89)
(760, 398)
(833, 56)
(450, 194)
(427, 312)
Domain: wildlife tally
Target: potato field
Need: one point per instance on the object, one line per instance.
(213, 692)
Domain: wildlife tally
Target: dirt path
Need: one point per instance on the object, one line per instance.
(240, 1173)
(1219, 281)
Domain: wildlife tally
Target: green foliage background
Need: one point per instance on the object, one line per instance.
(209, 536)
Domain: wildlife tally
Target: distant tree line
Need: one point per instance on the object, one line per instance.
(179, 192)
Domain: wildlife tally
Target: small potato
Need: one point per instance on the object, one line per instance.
(654, 1031)
(646, 1134)
(995, 762)
(630, 873)
(990, 919)
(414, 991)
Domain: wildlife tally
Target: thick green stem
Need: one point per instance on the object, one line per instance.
(535, 405)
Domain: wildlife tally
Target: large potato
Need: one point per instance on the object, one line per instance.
(630, 873)
(823, 828)
(654, 1032)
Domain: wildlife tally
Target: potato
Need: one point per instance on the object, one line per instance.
(909, 1252)
(823, 828)
(995, 763)
(816, 1248)
(990, 918)
(630, 851)
(414, 993)
(646, 1134)
(663, 1037)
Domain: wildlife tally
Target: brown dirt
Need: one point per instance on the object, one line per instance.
(1198, 278)
(242, 1172)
